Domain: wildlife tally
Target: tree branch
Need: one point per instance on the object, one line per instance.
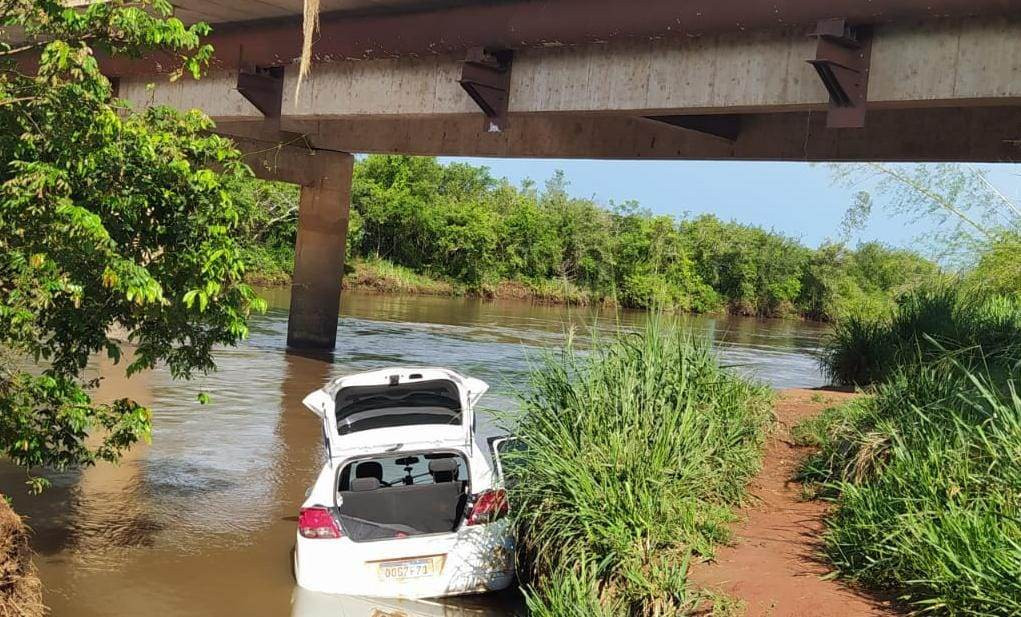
(23, 99)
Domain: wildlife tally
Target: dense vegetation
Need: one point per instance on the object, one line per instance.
(114, 229)
(634, 455)
(474, 233)
(937, 322)
(927, 488)
(924, 468)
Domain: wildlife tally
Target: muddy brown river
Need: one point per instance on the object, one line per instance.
(201, 522)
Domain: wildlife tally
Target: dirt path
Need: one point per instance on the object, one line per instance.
(772, 564)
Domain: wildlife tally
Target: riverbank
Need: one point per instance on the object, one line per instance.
(20, 588)
(180, 521)
(383, 277)
(457, 224)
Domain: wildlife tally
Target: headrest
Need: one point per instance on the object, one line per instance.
(442, 465)
(369, 469)
(364, 484)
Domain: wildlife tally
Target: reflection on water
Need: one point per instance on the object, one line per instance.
(202, 521)
(311, 604)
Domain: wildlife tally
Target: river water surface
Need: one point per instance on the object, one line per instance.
(201, 522)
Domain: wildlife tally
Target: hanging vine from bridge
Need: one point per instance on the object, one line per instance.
(309, 25)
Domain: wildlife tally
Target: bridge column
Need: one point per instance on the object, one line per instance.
(319, 253)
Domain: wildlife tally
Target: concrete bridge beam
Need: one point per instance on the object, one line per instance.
(958, 63)
(975, 134)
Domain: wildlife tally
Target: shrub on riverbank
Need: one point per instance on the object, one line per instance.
(927, 488)
(20, 588)
(384, 277)
(924, 471)
(635, 454)
(927, 324)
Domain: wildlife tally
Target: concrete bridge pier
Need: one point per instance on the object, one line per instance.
(323, 214)
(319, 257)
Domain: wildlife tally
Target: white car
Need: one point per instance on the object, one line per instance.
(410, 503)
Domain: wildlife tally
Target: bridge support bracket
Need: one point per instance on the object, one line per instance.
(485, 76)
(842, 60)
(264, 88)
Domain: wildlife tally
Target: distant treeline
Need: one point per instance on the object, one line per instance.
(459, 224)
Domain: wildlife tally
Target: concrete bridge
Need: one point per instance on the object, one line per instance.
(796, 80)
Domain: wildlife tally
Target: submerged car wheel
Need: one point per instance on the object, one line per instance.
(294, 563)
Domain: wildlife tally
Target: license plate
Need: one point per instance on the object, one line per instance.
(405, 569)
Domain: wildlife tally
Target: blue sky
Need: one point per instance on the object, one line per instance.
(797, 199)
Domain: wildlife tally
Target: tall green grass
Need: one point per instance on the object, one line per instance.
(929, 324)
(635, 454)
(927, 484)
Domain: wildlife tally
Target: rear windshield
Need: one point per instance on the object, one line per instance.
(362, 408)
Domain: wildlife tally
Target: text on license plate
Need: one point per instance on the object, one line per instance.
(408, 568)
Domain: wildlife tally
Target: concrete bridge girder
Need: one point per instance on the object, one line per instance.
(947, 62)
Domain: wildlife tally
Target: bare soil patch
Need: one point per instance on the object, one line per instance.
(773, 563)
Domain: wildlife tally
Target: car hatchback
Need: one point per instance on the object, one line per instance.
(410, 502)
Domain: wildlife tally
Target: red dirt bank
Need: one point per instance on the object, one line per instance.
(20, 589)
(773, 563)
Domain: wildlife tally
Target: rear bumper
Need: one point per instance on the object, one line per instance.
(478, 560)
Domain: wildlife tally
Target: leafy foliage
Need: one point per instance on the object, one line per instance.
(923, 470)
(115, 229)
(971, 216)
(998, 269)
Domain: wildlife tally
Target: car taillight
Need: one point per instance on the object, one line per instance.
(489, 506)
(317, 522)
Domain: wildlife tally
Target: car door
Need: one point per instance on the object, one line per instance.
(506, 452)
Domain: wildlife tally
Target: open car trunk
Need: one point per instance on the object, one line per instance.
(406, 406)
(389, 497)
(402, 511)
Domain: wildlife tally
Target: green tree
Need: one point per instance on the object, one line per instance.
(757, 272)
(998, 269)
(116, 233)
(584, 232)
(457, 223)
(528, 241)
